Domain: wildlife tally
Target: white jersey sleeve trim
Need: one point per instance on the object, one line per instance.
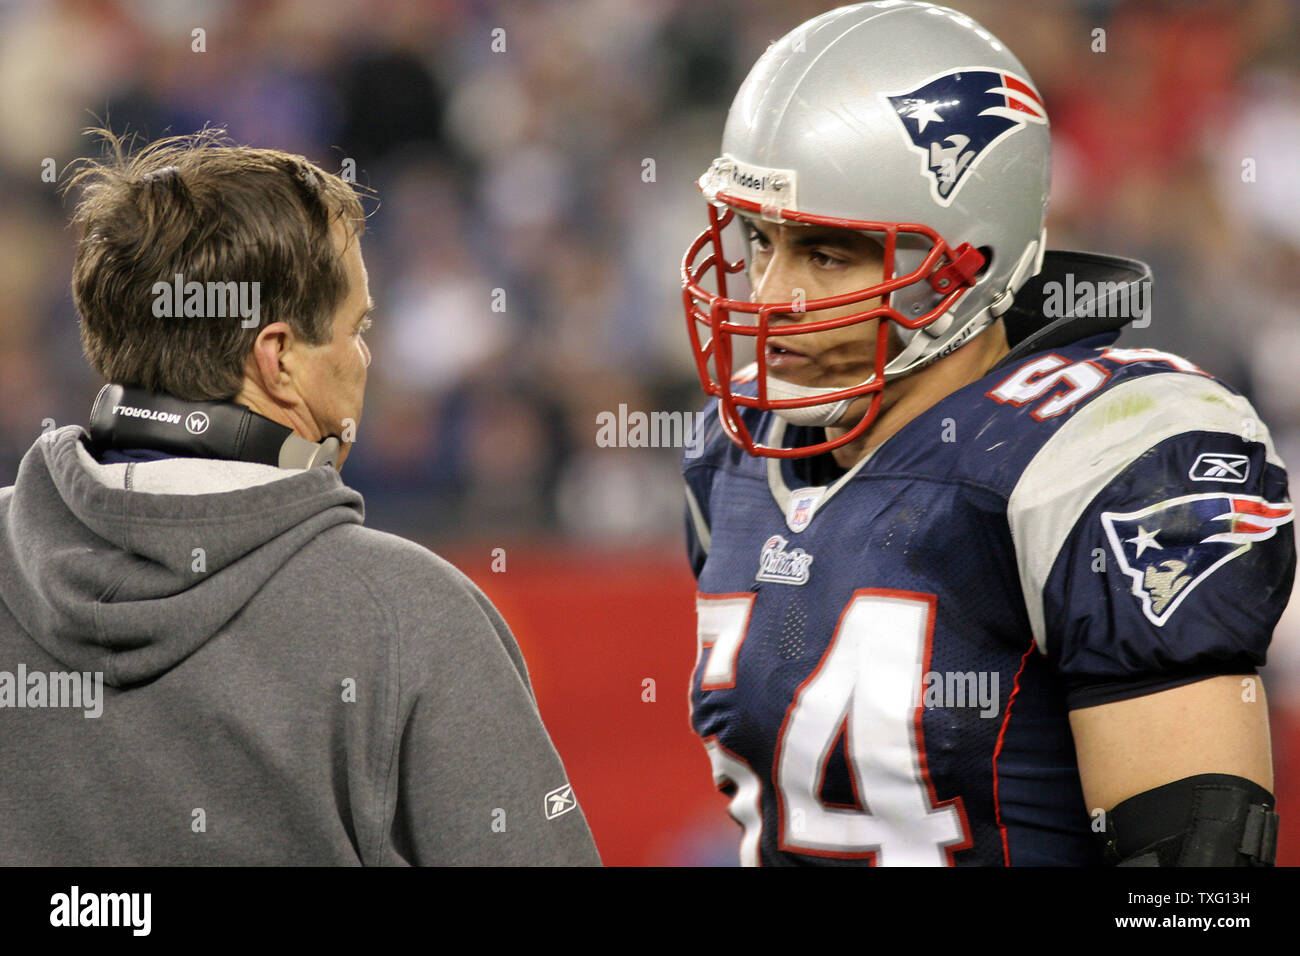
(702, 532)
(1090, 450)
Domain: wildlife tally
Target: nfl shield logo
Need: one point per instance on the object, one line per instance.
(803, 504)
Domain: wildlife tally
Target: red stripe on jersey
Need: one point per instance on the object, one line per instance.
(997, 752)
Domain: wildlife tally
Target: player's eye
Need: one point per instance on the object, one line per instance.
(821, 258)
(364, 326)
(756, 238)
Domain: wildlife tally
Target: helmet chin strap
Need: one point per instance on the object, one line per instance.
(816, 416)
(907, 361)
(914, 356)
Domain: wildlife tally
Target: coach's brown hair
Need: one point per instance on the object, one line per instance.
(211, 211)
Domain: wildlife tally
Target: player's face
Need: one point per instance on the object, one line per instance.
(791, 262)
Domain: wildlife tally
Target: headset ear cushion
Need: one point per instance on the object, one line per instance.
(298, 452)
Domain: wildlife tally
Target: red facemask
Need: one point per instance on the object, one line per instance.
(950, 272)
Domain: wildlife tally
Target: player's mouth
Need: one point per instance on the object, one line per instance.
(781, 356)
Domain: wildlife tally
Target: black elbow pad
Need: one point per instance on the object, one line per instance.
(1211, 819)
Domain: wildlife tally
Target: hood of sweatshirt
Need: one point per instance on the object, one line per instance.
(127, 569)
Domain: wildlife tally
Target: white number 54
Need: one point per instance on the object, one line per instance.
(867, 687)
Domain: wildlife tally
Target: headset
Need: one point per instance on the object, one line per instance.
(124, 417)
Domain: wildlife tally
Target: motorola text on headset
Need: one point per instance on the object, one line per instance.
(124, 417)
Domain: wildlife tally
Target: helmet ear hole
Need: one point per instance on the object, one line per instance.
(987, 253)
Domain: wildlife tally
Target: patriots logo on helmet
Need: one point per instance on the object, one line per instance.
(955, 118)
(1171, 547)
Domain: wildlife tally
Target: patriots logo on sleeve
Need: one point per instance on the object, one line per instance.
(1171, 547)
(955, 118)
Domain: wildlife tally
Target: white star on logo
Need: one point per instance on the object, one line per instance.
(1145, 539)
(924, 113)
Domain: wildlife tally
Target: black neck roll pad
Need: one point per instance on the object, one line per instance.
(125, 417)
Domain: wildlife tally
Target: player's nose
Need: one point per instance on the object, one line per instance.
(779, 283)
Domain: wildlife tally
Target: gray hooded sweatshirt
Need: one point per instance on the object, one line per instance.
(214, 662)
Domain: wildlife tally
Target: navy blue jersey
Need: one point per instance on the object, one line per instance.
(888, 656)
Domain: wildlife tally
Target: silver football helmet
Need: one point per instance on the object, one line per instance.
(909, 122)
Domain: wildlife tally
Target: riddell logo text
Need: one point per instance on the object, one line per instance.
(750, 181)
(130, 411)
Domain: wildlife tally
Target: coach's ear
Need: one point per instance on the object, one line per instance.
(271, 366)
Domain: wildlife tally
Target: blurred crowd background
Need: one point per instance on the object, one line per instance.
(548, 150)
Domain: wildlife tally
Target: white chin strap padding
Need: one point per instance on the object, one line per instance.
(815, 416)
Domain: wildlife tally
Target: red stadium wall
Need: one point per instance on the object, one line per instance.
(594, 628)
